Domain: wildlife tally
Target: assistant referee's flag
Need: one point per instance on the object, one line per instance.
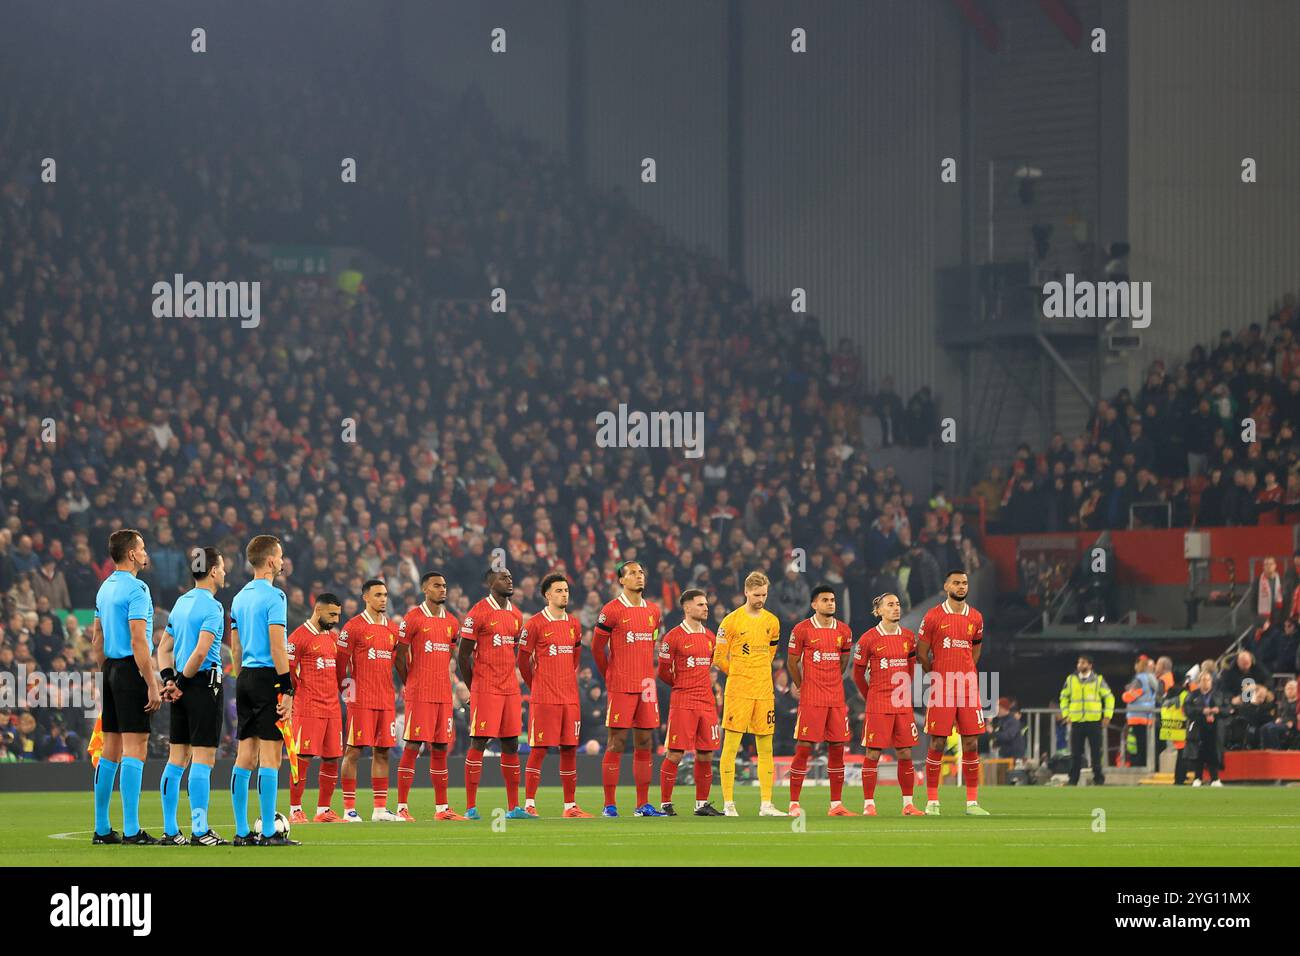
(286, 731)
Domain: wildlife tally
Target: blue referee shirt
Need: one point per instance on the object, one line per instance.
(123, 598)
(196, 611)
(257, 606)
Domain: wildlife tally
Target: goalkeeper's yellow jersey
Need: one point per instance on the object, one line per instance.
(746, 645)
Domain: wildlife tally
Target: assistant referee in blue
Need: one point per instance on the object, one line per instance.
(263, 688)
(122, 639)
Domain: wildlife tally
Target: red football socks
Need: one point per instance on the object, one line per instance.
(533, 772)
(569, 773)
(869, 767)
(609, 765)
(798, 770)
(906, 777)
(970, 773)
(296, 790)
(933, 770)
(641, 772)
(510, 770)
(703, 778)
(438, 776)
(667, 778)
(329, 776)
(473, 772)
(349, 793)
(835, 770)
(406, 774)
(379, 787)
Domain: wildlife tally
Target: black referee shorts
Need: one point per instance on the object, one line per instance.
(125, 697)
(255, 699)
(196, 717)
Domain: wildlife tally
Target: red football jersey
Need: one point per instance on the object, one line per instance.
(430, 638)
(632, 631)
(313, 663)
(555, 646)
(495, 632)
(820, 652)
(952, 636)
(368, 644)
(887, 660)
(690, 655)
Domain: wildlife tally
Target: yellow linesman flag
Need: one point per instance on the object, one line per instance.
(291, 744)
(96, 745)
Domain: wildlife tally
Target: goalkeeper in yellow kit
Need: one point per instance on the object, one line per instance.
(747, 643)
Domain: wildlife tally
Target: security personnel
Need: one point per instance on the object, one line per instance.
(1173, 725)
(1087, 704)
(1140, 701)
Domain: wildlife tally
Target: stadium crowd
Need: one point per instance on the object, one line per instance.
(1174, 453)
(387, 427)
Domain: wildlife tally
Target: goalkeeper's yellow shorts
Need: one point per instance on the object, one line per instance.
(747, 716)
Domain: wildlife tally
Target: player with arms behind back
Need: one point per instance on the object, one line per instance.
(746, 646)
(948, 646)
(489, 641)
(685, 659)
(624, 648)
(425, 639)
(818, 658)
(367, 643)
(548, 663)
(317, 717)
(882, 672)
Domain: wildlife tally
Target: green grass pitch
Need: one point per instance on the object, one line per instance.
(1030, 826)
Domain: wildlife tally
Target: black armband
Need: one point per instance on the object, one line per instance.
(168, 675)
(284, 684)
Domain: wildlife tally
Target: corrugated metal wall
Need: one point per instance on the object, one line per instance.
(1212, 83)
(656, 87)
(446, 43)
(1036, 102)
(842, 149)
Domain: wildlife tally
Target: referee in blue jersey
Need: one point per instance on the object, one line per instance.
(122, 638)
(263, 689)
(193, 640)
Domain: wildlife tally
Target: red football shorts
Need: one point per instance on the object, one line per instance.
(693, 728)
(969, 720)
(319, 736)
(429, 723)
(818, 724)
(883, 731)
(495, 715)
(369, 727)
(632, 710)
(553, 725)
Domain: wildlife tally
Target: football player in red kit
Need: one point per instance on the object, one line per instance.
(366, 646)
(548, 662)
(489, 639)
(424, 642)
(685, 665)
(882, 672)
(818, 658)
(948, 646)
(623, 645)
(317, 718)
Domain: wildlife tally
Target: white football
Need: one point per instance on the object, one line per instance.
(281, 825)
